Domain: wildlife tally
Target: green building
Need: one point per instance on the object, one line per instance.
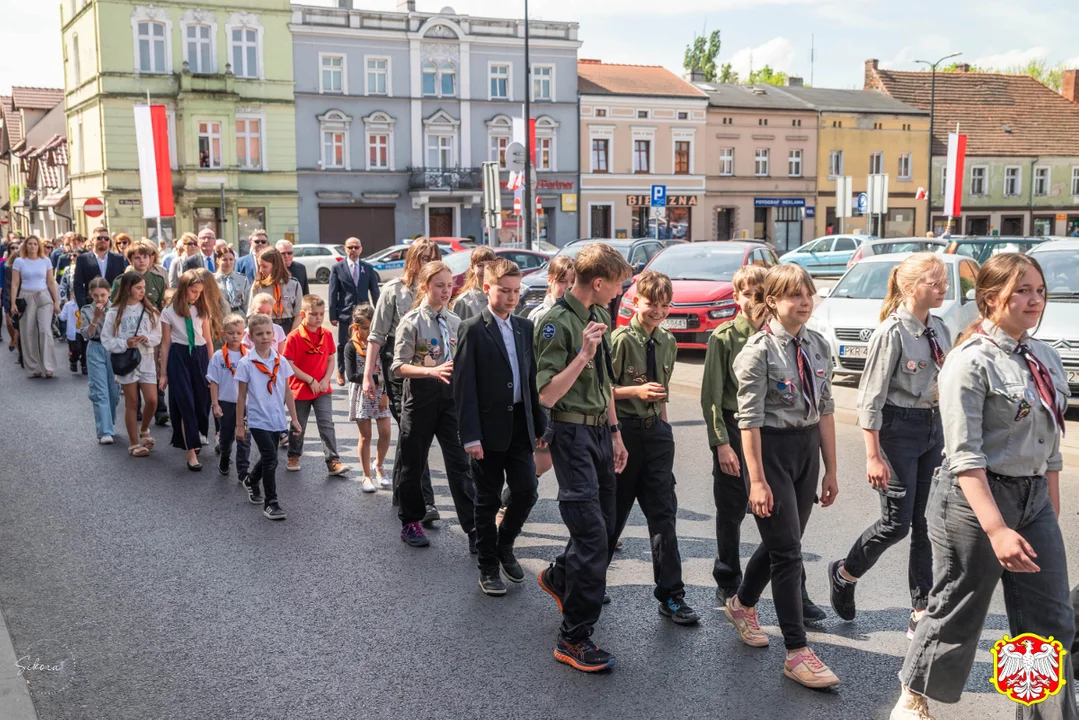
(224, 72)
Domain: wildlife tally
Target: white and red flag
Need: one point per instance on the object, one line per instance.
(155, 175)
(953, 185)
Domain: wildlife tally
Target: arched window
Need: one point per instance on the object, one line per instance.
(448, 79)
(430, 78)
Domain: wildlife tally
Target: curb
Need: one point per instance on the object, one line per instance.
(15, 700)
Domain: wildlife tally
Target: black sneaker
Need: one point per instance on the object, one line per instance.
(74, 367)
(472, 549)
(161, 419)
(513, 570)
(582, 655)
(242, 478)
(217, 447)
(491, 583)
(678, 611)
(546, 583)
(273, 511)
(254, 495)
(842, 592)
(606, 598)
(223, 467)
(431, 517)
(84, 371)
(810, 611)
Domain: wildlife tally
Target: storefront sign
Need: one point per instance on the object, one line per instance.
(545, 185)
(778, 202)
(672, 200)
(622, 234)
(811, 211)
(569, 202)
(124, 201)
(1062, 217)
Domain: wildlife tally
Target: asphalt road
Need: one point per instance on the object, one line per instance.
(175, 598)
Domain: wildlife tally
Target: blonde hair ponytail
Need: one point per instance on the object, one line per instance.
(905, 275)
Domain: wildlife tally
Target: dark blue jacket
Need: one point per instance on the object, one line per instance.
(345, 294)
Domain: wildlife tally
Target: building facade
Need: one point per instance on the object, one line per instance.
(33, 162)
(641, 126)
(223, 69)
(396, 112)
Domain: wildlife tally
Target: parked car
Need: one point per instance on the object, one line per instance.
(448, 244)
(390, 262)
(896, 245)
(529, 261)
(826, 255)
(983, 248)
(318, 259)
(851, 310)
(701, 275)
(539, 246)
(1059, 327)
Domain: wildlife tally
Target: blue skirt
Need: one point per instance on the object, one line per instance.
(189, 395)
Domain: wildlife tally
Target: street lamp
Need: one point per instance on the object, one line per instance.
(932, 106)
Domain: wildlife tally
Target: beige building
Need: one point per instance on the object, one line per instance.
(641, 126)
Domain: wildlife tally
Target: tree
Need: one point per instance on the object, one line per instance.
(767, 76)
(1051, 76)
(727, 75)
(701, 55)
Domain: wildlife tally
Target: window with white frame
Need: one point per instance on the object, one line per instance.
(835, 163)
(1041, 180)
(977, 180)
(447, 72)
(331, 73)
(682, 155)
(379, 129)
(440, 151)
(430, 78)
(544, 153)
(334, 146)
(794, 163)
(80, 147)
(1012, 182)
(497, 151)
(249, 143)
(642, 156)
(151, 46)
(378, 76)
(75, 68)
(1075, 181)
(760, 162)
(876, 163)
(904, 166)
(542, 82)
(209, 144)
(499, 81)
(601, 147)
(726, 161)
(245, 52)
(199, 49)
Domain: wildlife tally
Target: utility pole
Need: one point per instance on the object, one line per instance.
(526, 188)
(932, 107)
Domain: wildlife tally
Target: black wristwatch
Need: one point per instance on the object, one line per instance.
(616, 428)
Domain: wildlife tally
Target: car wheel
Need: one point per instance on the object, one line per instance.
(323, 275)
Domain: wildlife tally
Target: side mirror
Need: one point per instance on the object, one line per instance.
(824, 292)
(969, 296)
(639, 266)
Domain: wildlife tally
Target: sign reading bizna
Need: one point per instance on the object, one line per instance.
(672, 200)
(778, 202)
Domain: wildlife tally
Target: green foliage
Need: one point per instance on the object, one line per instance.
(701, 55)
(727, 75)
(767, 76)
(1052, 76)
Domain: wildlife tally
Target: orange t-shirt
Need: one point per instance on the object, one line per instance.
(310, 353)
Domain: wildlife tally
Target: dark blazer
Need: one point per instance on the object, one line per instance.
(299, 271)
(483, 382)
(345, 295)
(86, 269)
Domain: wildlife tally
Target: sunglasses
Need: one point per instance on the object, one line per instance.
(121, 243)
(104, 238)
(191, 244)
(260, 242)
(352, 247)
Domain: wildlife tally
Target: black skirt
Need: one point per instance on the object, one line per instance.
(189, 395)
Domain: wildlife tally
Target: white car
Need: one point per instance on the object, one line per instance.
(318, 259)
(851, 310)
(1059, 327)
(389, 263)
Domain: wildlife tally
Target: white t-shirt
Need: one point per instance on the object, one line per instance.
(179, 325)
(32, 273)
(265, 409)
(216, 372)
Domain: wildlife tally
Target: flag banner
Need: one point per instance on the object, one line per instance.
(953, 183)
(155, 175)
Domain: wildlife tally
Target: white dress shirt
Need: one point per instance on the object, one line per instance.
(506, 328)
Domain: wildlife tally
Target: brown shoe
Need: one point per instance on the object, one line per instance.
(340, 379)
(294, 464)
(336, 467)
(805, 668)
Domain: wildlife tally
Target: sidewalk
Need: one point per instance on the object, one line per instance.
(15, 702)
(689, 370)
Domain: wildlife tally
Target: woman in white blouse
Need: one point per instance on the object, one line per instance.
(33, 283)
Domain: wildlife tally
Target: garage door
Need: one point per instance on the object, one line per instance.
(372, 224)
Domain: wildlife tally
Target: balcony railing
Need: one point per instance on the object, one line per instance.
(445, 179)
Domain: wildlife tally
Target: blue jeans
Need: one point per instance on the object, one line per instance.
(104, 392)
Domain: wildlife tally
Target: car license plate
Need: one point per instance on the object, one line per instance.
(675, 323)
(1073, 377)
(853, 351)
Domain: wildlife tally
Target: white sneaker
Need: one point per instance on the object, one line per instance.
(911, 707)
(105, 440)
(368, 485)
(383, 479)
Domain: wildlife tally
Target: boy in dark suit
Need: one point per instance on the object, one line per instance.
(499, 419)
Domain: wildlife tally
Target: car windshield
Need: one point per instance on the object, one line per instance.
(692, 262)
(869, 281)
(903, 247)
(458, 261)
(572, 250)
(1061, 268)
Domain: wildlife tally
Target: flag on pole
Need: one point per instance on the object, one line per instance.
(155, 175)
(953, 184)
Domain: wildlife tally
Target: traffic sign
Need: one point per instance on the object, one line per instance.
(863, 203)
(93, 207)
(659, 196)
(515, 157)
(517, 205)
(539, 206)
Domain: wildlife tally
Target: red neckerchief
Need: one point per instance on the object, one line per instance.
(934, 347)
(225, 357)
(1043, 381)
(809, 389)
(313, 348)
(266, 371)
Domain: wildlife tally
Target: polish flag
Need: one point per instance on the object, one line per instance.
(155, 175)
(953, 186)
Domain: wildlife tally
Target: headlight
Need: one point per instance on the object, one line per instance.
(818, 325)
(722, 313)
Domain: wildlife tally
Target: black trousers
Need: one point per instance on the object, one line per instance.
(76, 351)
(731, 495)
(228, 436)
(648, 479)
(395, 390)
(344, 335)
(584, 467)
(427, 412)
(791, 458)
(515, 468)
(265, 470)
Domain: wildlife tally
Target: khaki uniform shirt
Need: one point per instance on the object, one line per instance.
(629, 355)
(394, 302)
(558, 340)
(719, 386)
(155, 287)
(470, 303)
(420, 340)
(992, 414)
(769, 390)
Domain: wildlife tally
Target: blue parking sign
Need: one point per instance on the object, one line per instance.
(659, 196)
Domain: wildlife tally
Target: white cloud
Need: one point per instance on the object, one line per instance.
(778, 53)
(1010, 58)
(32, 46)
(928, 47)
(1071, 63)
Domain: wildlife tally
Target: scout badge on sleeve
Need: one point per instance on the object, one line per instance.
(548, 331)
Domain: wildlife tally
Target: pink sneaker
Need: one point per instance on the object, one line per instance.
(745, 622)
(805, 668)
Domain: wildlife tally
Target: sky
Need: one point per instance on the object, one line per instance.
(779, 33)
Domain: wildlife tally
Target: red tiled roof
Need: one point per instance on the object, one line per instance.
(33, 98)
(46, 160)
(1000, 114)
(595, 77)
(12, 121)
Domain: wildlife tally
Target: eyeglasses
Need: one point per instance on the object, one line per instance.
(942, 285)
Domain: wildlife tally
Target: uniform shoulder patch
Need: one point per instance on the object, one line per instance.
(548, 331)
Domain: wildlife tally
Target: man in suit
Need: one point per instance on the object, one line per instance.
(246, 265)
(352, 282)
(499, 419)
(101, 262)
(295, 269)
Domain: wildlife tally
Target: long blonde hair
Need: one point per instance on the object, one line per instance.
(997, 279)
(905, 276)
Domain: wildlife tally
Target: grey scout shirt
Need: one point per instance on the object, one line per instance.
(421, 341)
(393, 303)
(993, 418)
(899, 368)
(470, 303)
(769, 391)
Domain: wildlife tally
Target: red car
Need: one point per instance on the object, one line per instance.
(455, 244)
(700, 273)
(528, 260)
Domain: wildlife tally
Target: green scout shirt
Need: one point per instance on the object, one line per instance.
(719, 386)
(630, 358)
(155, 286)
(557, 341)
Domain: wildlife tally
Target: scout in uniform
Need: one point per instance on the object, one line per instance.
(785, 411)
(904, 439)
(472, 300)
(574, 375)
(993, 509)
(423, 355)
(643, 356)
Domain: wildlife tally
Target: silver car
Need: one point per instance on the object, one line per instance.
(896, 245)
(1060, 322)
(851, 310)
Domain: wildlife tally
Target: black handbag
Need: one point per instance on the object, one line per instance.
(20, 307)
(126, 362)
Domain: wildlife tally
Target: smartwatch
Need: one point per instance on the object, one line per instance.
(616, 428)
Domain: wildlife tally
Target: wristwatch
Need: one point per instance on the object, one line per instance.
(616, 428)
